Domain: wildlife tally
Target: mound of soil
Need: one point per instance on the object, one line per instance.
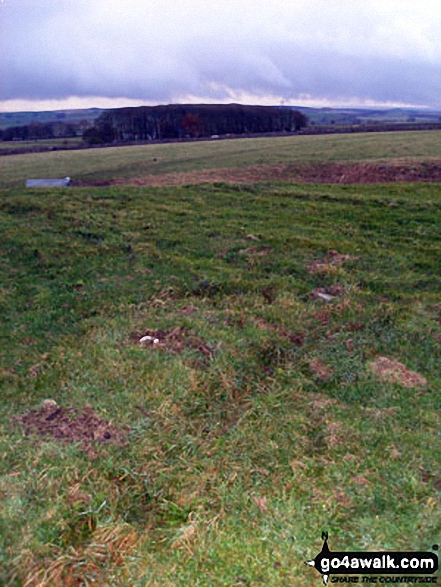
(175, 341)
(71, 426)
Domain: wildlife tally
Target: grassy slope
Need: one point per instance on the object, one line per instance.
(234, 464)
(127, 162)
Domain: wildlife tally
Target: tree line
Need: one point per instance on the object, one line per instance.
(43, 130)
(180, 121)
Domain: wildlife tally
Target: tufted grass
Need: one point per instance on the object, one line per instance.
(253, 427)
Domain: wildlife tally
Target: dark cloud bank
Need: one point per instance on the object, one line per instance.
(48, 55)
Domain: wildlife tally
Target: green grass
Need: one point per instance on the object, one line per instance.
(128, 162)
(39, 144)
(237, 461)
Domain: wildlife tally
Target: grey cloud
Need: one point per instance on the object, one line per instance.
(50, 51)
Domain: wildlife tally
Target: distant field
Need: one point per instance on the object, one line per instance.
(128, 163)
(40, 144)
(287, 382)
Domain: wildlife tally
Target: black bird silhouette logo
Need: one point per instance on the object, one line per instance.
(324, 553)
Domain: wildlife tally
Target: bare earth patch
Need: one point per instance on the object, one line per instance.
(175, 341)
(336, 173)
(70, 426)
(393, 371)
(431, 479)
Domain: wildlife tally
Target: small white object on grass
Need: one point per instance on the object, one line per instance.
(324, 296)
(156, 341)
(145, 338)
(48, 403)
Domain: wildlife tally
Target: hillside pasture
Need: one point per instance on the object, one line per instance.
(155, 162)
(294, 385)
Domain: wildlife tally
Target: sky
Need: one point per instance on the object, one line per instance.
(58, 54)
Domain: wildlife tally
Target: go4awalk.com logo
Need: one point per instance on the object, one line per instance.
(375, 567)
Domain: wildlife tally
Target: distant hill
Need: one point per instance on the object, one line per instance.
(353, 116)
(8, 119)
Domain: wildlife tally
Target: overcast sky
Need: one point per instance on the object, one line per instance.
(84, 53)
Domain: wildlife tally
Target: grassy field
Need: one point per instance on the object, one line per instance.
(262, 415)
(132, 162)
(40, 144)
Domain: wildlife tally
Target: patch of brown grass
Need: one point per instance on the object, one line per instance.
(353, 172)
(382, 413)
(297, 338)
(77, 567)
(392, 371)
(320, 370)
(255, 251)
(332, 260)
(185, 539)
